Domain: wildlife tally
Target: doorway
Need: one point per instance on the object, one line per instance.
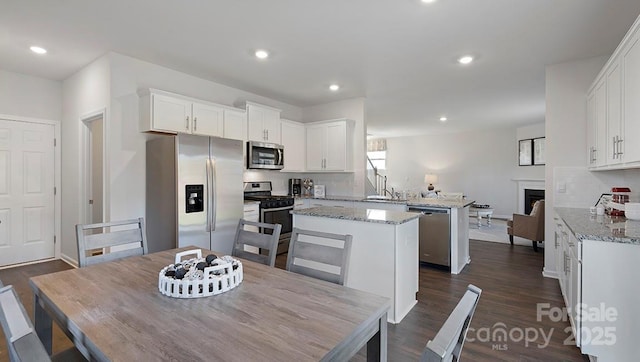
(93, 161)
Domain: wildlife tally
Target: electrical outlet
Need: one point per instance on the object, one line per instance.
(561, 187)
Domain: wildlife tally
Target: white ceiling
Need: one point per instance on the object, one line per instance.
(399, 54)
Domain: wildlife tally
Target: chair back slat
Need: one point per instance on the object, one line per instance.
(316, 273)
(22, 342)
(114, 255)
(319, 253)
(267, 244)
(448, 342)
(108, 240)
(312, 258)
(255, 239)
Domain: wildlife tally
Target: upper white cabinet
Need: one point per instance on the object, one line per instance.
(614, 154)
(263, 123)
(166, 112)
(235, 124)
(294, 142)
(330, 145)
(207, 120)
(630, 61)
(613, 109)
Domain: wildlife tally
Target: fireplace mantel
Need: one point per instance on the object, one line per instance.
(522, 184)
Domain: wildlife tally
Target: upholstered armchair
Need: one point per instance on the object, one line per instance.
(528, 226)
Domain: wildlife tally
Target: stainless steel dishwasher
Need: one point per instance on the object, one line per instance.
(435, 235)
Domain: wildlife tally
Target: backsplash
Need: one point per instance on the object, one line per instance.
(584, 187)
(336, 184)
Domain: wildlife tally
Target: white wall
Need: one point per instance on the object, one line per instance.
(481, 164)
(566, 140)
(340, 184)
(85, 92)
(29, 96)
(128, 155)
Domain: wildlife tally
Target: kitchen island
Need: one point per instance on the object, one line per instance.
(384, 251)
(458, 211)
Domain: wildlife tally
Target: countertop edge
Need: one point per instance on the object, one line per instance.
(571, 217)
(352, 214)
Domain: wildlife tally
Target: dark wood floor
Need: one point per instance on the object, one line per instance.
(511, 282)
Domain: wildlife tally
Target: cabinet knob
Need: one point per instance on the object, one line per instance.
(186, 124)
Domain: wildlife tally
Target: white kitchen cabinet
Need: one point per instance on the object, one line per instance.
(171, 113)
(613, 110)
(630, 59)
(591, 130)
(600, 302)
(235, 124)
(614, 124)
(263, 123)
(330, 146)
(601, 123)
(294, 141)
(208, 120)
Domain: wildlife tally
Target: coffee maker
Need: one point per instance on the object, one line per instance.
(295, 186)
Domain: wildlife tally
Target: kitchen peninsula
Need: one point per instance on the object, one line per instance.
(384, 252)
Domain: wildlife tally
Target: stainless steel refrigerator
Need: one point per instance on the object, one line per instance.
(194, 192)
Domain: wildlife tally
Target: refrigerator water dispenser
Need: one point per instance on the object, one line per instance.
(194, 198)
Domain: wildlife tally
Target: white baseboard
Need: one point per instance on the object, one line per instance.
(549, 273)
(69, 260)
(26, 263)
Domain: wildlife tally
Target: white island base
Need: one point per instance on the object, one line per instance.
(384, 256)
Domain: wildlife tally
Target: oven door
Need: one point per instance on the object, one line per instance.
(282, 216)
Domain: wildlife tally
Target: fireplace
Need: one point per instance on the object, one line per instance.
(530, 198)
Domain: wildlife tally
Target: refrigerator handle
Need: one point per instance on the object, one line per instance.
(212, 199)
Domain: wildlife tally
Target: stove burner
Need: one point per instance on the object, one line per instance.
(261, 191)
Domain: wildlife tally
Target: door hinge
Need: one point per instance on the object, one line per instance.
(54, 239)
(55, 190)
(54, 142)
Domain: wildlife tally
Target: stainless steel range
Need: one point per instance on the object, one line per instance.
(274, 209)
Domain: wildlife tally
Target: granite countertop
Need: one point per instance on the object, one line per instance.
(586, 226)
(358, 214)
(430, 202)
(448, 203)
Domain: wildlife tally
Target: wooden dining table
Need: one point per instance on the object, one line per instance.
(114, 311)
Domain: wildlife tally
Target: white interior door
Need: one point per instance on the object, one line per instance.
(26, 192)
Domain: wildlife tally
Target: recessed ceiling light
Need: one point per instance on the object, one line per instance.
(262, 54)
(428, 1)
(466, 59)
(38, 50)
(334, 87)
(443, 119)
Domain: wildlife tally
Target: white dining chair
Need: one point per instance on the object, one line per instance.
(23, 343)
(110, 241)
(309, 255)
(259, 241)
(448, 342)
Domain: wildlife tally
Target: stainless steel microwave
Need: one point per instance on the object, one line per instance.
(265, 156)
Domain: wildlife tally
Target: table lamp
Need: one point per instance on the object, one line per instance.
(430, 179)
